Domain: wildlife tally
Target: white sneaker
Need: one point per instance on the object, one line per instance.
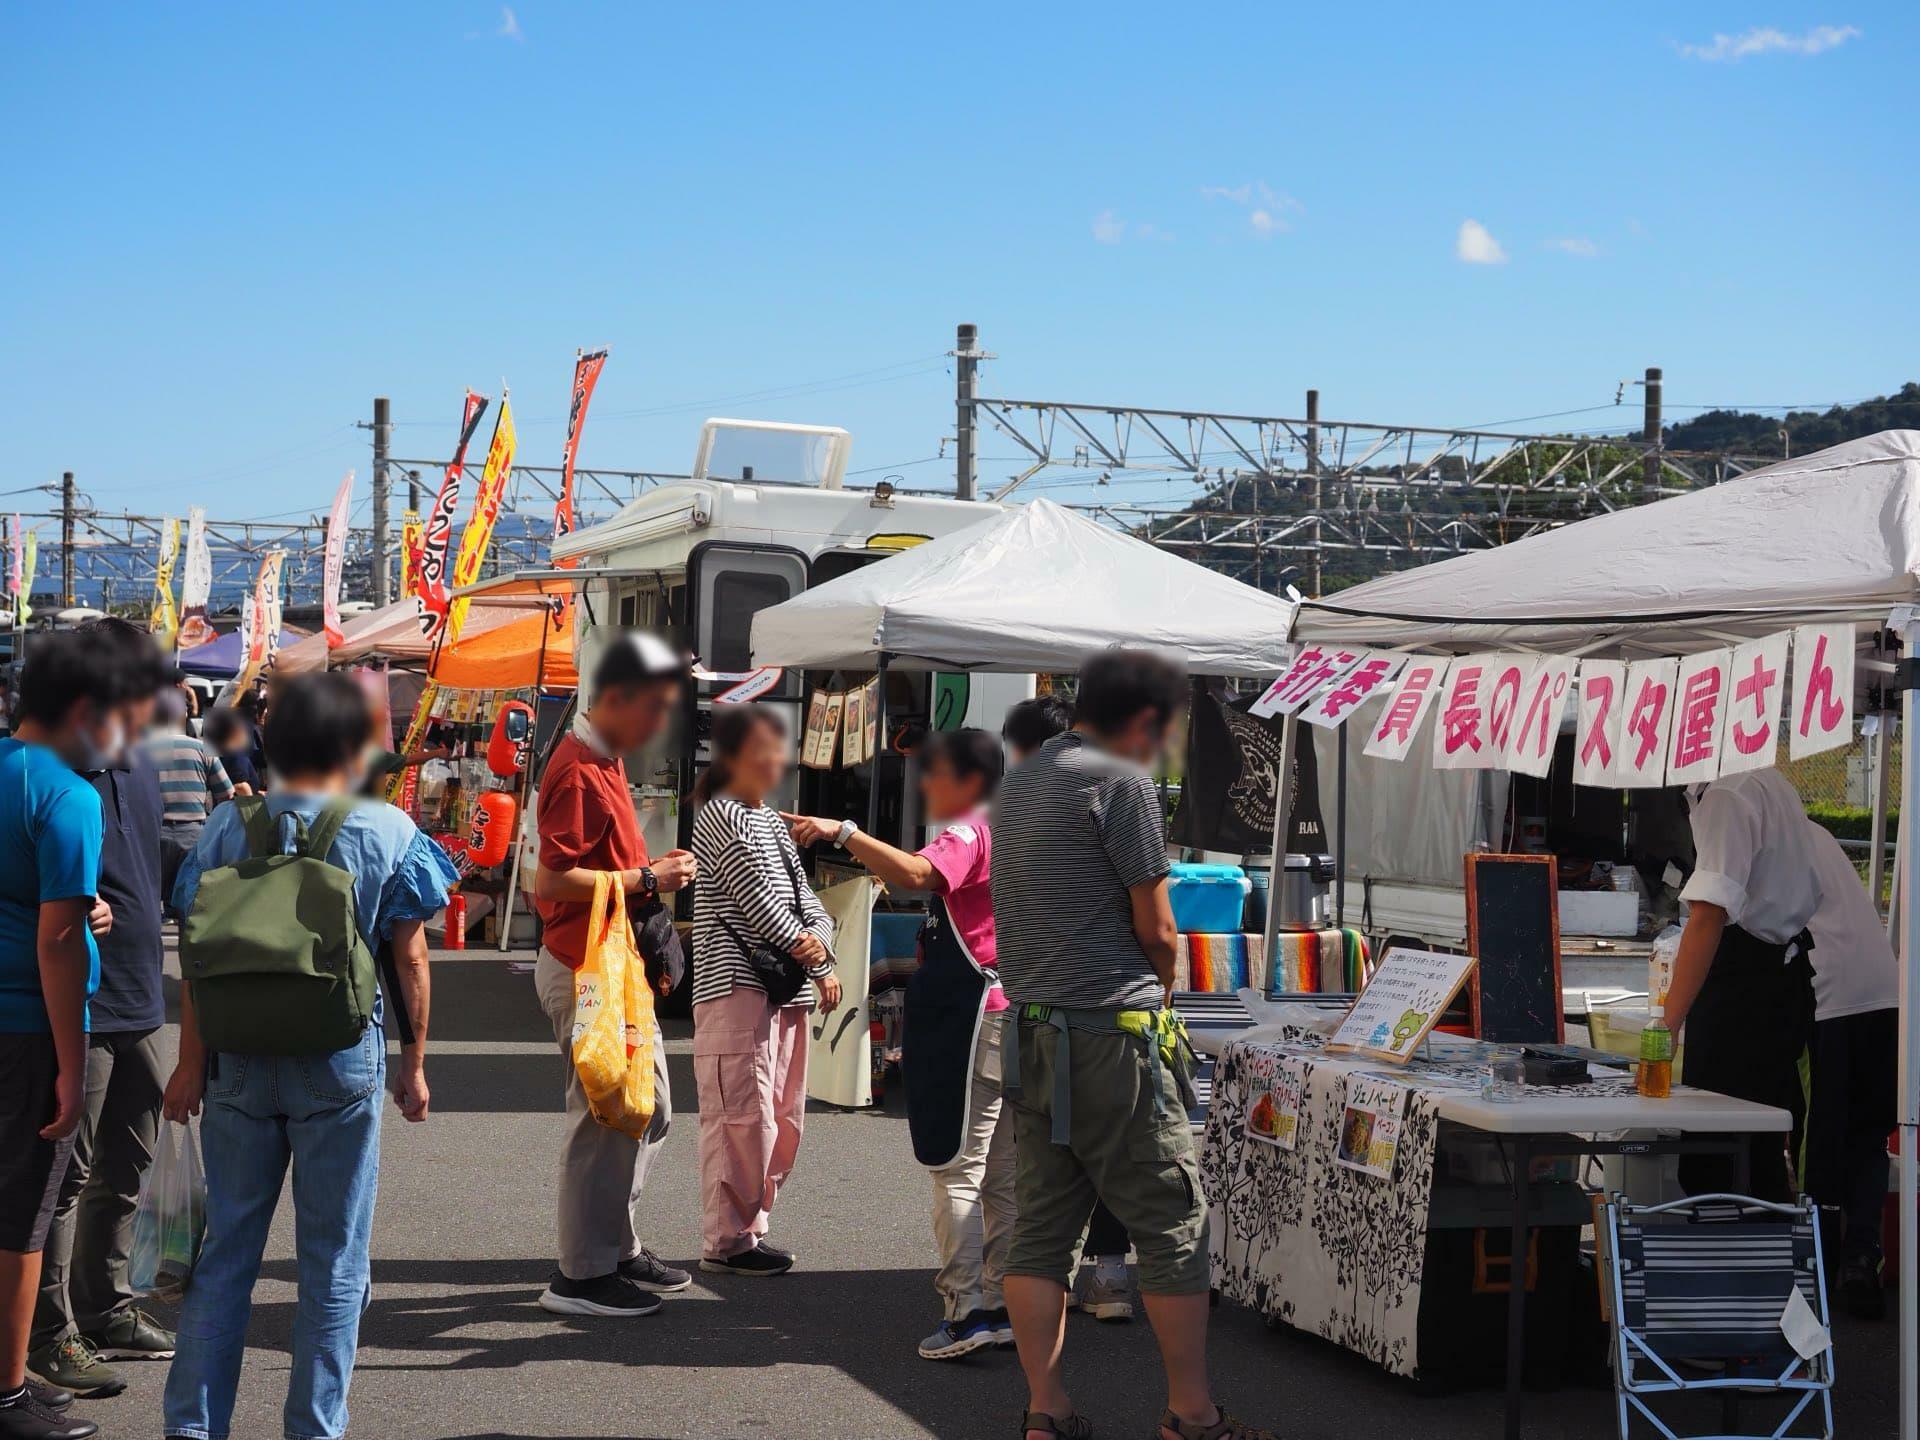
(1104, 1293)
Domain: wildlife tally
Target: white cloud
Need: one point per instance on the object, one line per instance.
(1765, 40)
(1577, 245)
(1476, 246)
(1109, 228)
(509, 25)
(1269, 212)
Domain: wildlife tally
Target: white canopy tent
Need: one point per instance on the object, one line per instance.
(1829, 538)
(1033, 589)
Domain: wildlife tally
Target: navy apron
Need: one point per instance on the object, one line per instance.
(946, 999)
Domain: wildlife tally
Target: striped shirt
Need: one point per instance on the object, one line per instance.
(1074, 828)
(192, 780)
(749, 873)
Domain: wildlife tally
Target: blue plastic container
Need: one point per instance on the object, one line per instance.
(1208, 899)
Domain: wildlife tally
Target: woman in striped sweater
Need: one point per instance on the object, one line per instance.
(750, 1055)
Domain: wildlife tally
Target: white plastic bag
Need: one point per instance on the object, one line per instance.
(171, 1218)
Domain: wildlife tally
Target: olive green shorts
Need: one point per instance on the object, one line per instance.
(1139, 1162)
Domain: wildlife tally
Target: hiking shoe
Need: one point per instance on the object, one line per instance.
(72, 1364)
(757, 1262)
(1860, 1289)
(650, 1272)
(959, 1337)
(132, 1335)
(27, 1419)
(1002, 1326)
(1106, 1294)
(610, 1295)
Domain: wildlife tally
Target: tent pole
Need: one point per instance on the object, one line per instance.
(879, 746)
(1909, 1292)
(1282, 812)
(520, 801)
(1882, 785)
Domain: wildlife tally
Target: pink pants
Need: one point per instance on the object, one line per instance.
(750, 1061)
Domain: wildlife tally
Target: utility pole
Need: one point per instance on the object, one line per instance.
(967, 356)
(1313, 490)
(66, 539)
(382, 432)
(413, 491)
(1651, 433)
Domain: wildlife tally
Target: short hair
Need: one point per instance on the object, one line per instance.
(1116, 685)
(63, 669)
(967, 753)
(138, 668)
(322, 723)
(225, 725)
(1032, 723)
(637, 658)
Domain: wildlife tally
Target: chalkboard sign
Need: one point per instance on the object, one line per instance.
(1513, 930)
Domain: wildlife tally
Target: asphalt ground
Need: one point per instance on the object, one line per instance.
(453, 1344)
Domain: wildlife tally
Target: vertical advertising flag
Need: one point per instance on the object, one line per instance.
(412, 537)
(478, 535)
(586, 374)
(31, 563)
(163, 622)
(437, 534)
(16, 568)
(196, 583)
(336, 561)
(259, 626)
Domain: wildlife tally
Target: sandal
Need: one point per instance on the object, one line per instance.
(1074, 1427)
(1225, 1428)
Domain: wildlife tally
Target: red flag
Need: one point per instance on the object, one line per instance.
(438, 537)
(586, 374)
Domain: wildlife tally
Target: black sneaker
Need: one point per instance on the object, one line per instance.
(779, 1252)
(612, 1295)
(51, 1396)
(27, 1419)
(1861, 1290)
(759, 1261)
(650, 1272)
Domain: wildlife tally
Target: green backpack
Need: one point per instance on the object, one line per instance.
(270, 947)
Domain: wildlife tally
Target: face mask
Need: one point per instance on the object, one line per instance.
(101, 753)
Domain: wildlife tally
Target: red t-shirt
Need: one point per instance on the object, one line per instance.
(586, 821)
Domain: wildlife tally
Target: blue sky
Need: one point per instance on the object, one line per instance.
(228, 226)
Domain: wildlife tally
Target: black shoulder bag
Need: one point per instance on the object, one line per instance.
(779, 974)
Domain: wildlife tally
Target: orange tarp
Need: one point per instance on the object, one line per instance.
(508, 657)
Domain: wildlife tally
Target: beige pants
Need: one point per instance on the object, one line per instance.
(602, 1172)
(750, 1061)
(973, 1194)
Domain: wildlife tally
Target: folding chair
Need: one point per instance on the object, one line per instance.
(1698, 1290)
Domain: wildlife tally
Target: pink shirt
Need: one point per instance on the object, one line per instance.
(961, 856)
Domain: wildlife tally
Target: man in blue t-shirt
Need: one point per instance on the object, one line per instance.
(50, 838)
(86, 1315)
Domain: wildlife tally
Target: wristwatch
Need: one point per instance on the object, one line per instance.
(649, 882)
(848, 829)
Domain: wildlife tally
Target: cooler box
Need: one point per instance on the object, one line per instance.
(1208, 899)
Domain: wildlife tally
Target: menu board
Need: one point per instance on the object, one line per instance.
(815, 738)
(1273, 1117)
(1409, 992)
(852, 752)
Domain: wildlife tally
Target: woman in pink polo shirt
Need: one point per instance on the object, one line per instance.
(955, 1026)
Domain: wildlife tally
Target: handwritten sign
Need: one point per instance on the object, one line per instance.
(1822, 715)
(1530, 747)
(1364, 681)
(1273, 1117)
(1648, 721)
(1596, 736)
(1400, 721)
(1409, 992)
(1460, 738)
(1370, 1124)
(1699, 718)
(1314, 668)
(1758, 675)
(1511, 674)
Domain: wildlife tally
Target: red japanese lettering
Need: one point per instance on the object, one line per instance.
(1599, 691)
(1463, 715)
(1643, 721)
(1405, 705)
(1757, 686)
(1820, 690)
(1694, 722)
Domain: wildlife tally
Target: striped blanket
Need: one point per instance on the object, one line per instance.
(1320, 962)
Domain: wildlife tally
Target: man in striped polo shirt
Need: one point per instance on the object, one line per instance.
(192, 782)
(1086, 949)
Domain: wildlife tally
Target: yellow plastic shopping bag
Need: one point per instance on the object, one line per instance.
(613, 1017)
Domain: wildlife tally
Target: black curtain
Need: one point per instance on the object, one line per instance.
(1226, 802)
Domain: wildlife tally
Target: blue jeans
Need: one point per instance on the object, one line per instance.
(323, 1113)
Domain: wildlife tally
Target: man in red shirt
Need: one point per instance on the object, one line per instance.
(587, 826)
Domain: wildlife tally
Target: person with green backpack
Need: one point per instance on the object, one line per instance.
(287, 899)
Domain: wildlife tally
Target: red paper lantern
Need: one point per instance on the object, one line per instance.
(491, 839)
(512, 739)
